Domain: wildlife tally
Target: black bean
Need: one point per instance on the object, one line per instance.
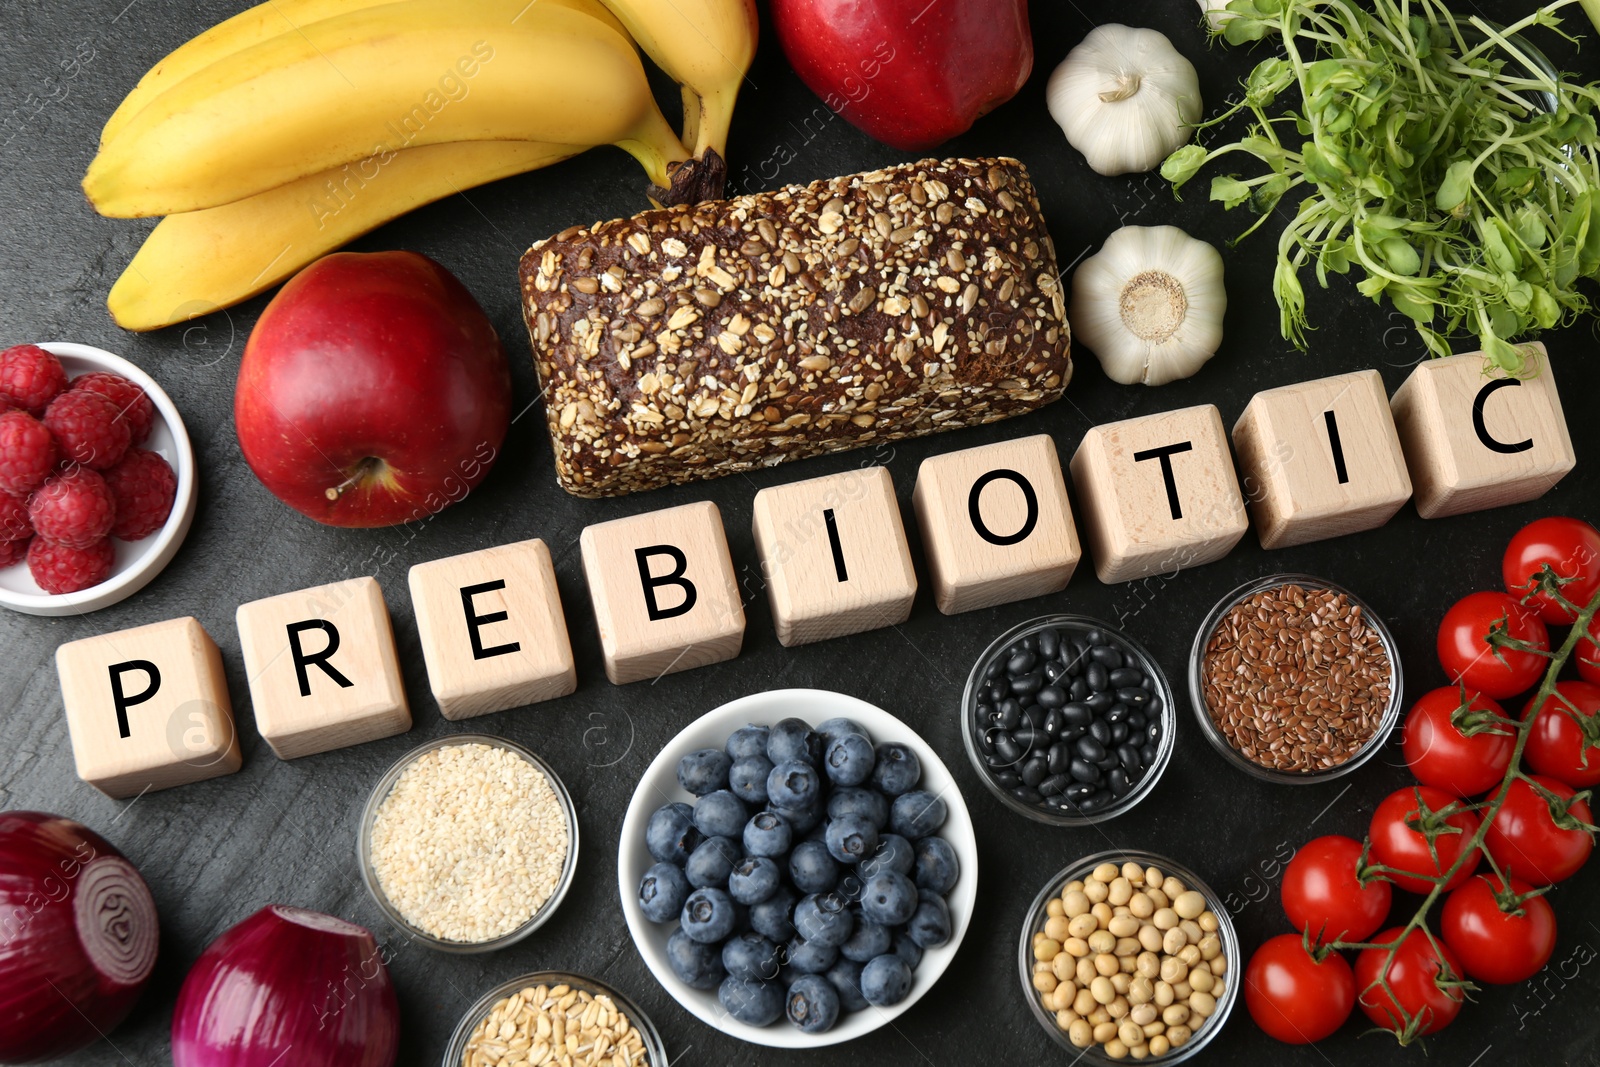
(1089, 749)
(1106, 656)
(1118, 712)
(1152, 731)
(997, 691)
(1072, 733)
(1054, 784)
(1118, 781)
(1026, 794)
(1095, 637)
(1028, 739)
(1084, 772)
(1077, 714)
(1136, 722)
(1110, 763)
(1060, 757)
(1147, 754)
(1100, 701)
(1096, 677)
(986, 742)
(1033, 715)
(1028, 683)
(1007, 779)
(1031, 642)
(1049, 643)
(1078, 790)
(1053, 671)
(1101, 731)
(1126, 677)
(1074, 655)
(1148, 683)
(1079, 689)
(1133, 696)
(1129, 755)
(1090, 805)
(1119, 732)
(1055, 802)
(1154, 704)
(1006, 747)
(1034, 771)
(1051, 696)
(1009, 715)
(1021, 663)
(995, 666)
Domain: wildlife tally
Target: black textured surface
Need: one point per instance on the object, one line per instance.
(284, 832)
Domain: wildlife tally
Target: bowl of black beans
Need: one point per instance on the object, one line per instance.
(1068, 720)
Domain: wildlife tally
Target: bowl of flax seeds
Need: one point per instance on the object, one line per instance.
(1294, 679)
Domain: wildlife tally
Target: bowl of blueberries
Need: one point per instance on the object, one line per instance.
(797, 868)
(1068, 720)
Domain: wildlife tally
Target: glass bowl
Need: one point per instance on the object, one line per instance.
(1391, 713)
(456, 1051)
(972, 729)
(1037, 915)
(380, 792)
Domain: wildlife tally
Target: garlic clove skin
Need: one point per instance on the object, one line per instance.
(1125, 98)
(1150, 304)
(1216, 13)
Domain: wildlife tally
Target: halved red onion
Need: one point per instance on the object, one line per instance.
(78, 936)
(288, 986)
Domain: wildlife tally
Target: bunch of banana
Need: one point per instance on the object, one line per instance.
(298, 125)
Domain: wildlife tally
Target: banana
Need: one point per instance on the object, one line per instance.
(251, 27)
(706, 46)
(198, 262)
(406, 74)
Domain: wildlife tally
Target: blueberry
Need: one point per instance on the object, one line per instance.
(849, 760)
(772, 918)
(811, 868)
(708, 915)
(937, 868)
(914, 815)
(720, 814)
(851, 839)
(671, 835)
(866, 940)
(813, 1004)
(767, 834)
(697, 965)
(753, 879)
(747, 778)
(747, 741)
(930, 925)
(907, 949)
(889, 899)
(712, 862)
(750, 957)
(811, 957)
(885, 981)
(894, 853)
(793, 739)
(704, 771)
(801, 820)
(837, 728)
(823, 919)
(874, 807)
(752, 1003)
(662, 891)
(897, 770)
(845, 977)
(850, 885)
(793, 784)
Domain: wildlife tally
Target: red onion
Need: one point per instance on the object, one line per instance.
(288, 986)
(78, 936)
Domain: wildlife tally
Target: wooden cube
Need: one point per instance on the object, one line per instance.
(493, 634)
(1158, 493)
(323, 669)
(1476, 439)
(1321, 459)
(148, 708)
(664, 593)
(996, 524)
(834, 554)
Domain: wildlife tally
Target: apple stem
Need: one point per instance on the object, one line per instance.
(363, 470)
(1127, 85)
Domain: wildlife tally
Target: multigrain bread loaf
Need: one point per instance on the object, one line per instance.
(706, 339)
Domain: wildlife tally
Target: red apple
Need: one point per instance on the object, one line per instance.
(373, 391)
(912, 73)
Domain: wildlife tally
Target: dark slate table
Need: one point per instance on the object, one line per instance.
(284, 832)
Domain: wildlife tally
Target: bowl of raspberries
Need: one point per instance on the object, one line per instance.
(797, 868)
(97, 483)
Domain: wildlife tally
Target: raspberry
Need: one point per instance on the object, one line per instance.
(143, 487)
(27, 453)
(14, 524)
(30, 377)
(13, 552)
(131, 400)
(87, 429)
(58, 569)
(74, 509)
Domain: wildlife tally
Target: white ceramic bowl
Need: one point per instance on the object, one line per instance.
(659, 786)
(137, 561)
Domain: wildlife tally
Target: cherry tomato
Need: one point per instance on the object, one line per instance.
(1494, 946)
(1396, 845)
(1561, 746)
(1571, 548)
(1414, 977)
(1473, 645)
(1439, 755)
(1526, 842)
(1587, 654)
(1322, 894)
(1293, 997)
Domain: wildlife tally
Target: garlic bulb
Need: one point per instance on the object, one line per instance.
(1149, 304)
(1125, 98)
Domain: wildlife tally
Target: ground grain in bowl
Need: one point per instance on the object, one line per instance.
(555, 1025)
(1295, 679)
(470, 842)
